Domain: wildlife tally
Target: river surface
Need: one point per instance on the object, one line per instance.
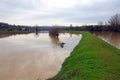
(112, 38)
(34, 56)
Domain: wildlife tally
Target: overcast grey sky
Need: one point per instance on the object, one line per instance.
(60, 12)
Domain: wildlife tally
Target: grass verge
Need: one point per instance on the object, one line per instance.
(91, 59)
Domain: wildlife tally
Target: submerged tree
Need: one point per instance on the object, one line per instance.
(54, 31)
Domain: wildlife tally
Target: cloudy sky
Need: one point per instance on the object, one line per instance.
(59, 12)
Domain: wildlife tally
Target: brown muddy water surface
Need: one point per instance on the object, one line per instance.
(34, 56)
(112, 38)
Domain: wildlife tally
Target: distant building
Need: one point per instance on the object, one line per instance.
(23, 29)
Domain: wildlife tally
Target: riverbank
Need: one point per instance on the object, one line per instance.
(14, 32)
(91, 59)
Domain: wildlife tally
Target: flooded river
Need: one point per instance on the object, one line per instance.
(112, 38)
(34, 56)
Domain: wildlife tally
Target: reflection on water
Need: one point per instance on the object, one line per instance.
(55, 41)
(7, 34)
(36, 34)
(26, 57)
(4, 35)
(73, 33)
(110, 37)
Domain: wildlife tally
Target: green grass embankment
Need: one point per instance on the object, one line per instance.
(91, 59)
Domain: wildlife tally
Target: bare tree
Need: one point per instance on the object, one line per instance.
(115, 20)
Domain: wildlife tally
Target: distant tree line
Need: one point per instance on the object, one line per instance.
(8, 27)
(113, 24)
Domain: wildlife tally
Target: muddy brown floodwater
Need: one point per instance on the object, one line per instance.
(112, 38)
(34, 56)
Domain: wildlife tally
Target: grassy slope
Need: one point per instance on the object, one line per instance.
(91, 59)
